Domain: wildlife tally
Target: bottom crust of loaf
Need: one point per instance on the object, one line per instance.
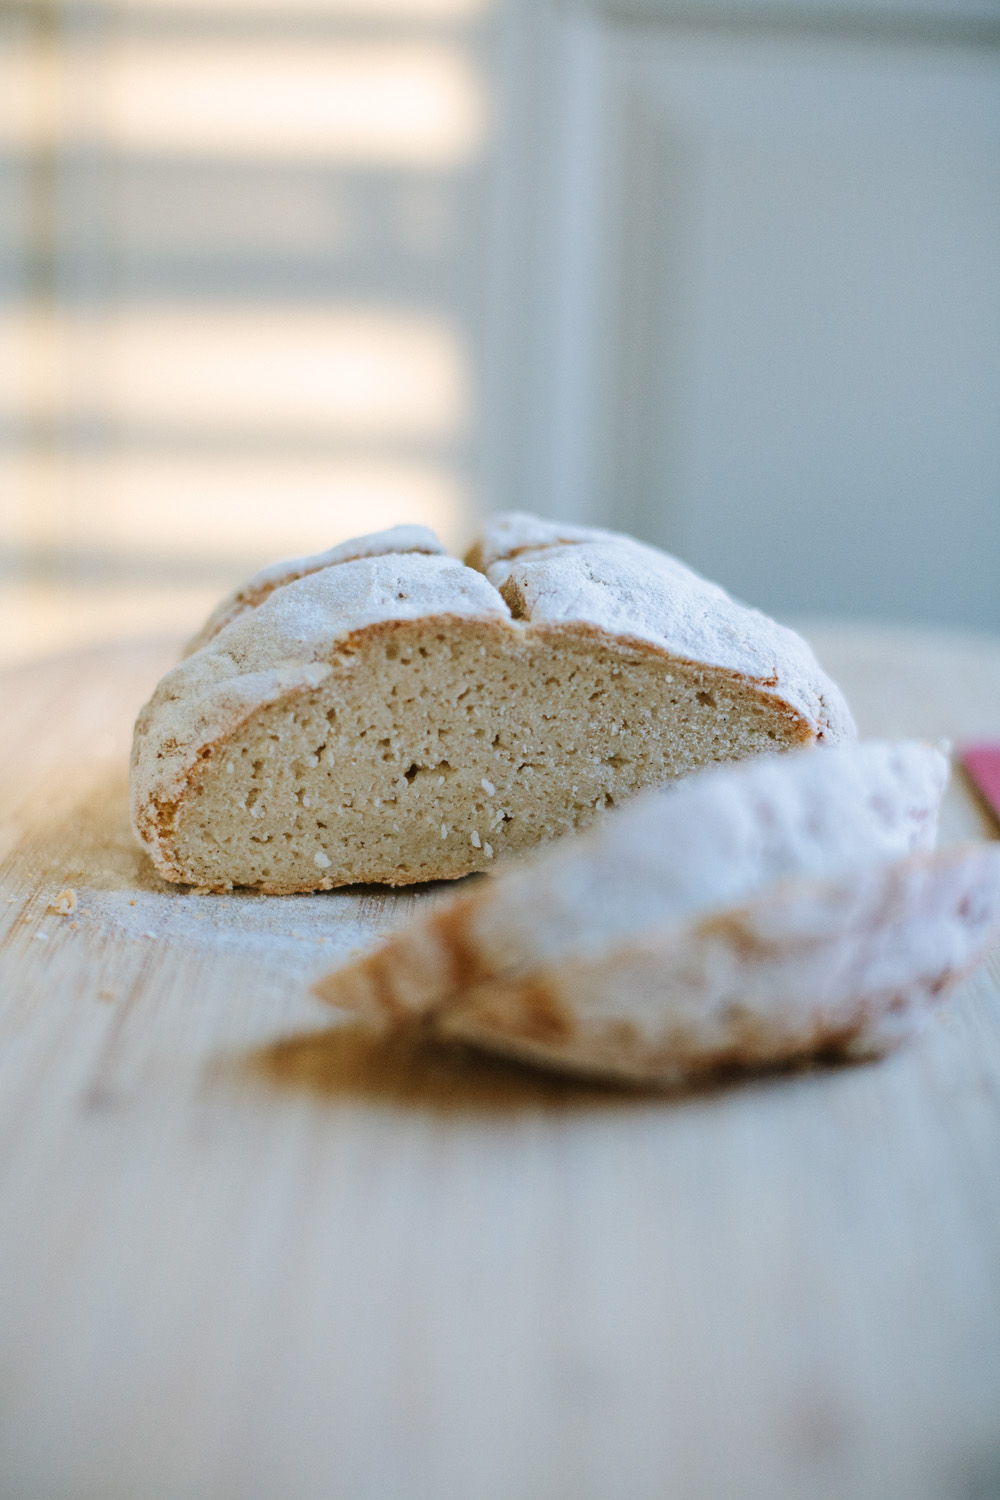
(438, 747)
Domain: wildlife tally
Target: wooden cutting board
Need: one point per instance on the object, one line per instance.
(246, 1253)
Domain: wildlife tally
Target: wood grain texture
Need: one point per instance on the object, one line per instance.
(245, 1253)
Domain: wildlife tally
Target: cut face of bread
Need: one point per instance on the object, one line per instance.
(399, 717)
(753, 915)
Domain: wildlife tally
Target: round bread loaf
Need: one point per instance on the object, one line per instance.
(386, 713)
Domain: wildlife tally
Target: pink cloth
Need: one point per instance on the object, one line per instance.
(982, 764)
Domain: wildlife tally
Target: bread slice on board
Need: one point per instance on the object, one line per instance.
(399, 716)
(752, 915)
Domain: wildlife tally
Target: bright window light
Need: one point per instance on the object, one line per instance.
(358, 374)
(202, 506)
(315, 374)
(407, 104)
(25, 105)
(181, 505)
(417, 104)
(388, 10)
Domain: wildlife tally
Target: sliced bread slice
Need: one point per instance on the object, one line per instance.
(849, 968)
(752, 915)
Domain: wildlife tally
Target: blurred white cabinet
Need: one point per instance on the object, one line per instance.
(747, 294)
(725, 273)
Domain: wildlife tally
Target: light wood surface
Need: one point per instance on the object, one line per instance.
(244, 1253)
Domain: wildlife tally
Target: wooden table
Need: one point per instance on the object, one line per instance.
(245, 1254)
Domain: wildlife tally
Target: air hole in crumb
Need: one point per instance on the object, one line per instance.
(706, 698)
(411, 772)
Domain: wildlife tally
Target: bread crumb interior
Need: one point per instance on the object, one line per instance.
(438, 748)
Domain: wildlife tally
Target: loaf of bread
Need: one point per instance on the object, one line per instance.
(753, 915)
(384, 712)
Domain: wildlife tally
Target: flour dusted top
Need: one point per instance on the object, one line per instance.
(551, 575)
(402, 539)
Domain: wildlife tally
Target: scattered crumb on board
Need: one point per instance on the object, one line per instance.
(301, 937)
(115, 894)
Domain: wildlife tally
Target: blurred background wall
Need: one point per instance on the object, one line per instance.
(722, 273)
(241, 277)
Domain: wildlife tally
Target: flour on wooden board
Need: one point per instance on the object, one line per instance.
(117, 894)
